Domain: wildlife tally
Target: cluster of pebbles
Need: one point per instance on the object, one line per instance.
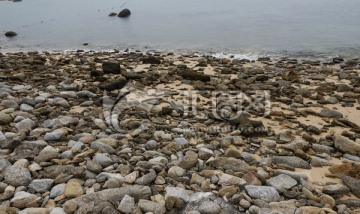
(75, 136)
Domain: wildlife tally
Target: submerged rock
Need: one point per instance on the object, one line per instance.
(10, 34)
(124, 13)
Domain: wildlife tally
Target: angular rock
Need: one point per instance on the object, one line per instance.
(193, 75)
(113, 196)
(282, 182)
(349, 169)
(17, 176)
(111, 85)
(346, 145)
(190, 160)
(268, 194)
(124, 13)
(150, 206)
(330, 113)
(24, 199)
(176, 192)
(291, 161)
(5, 119)
(352, 183)
(73, 189)
(127, 204)
(41, 185)
(230, 163)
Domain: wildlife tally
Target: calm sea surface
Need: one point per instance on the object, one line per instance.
(297, 27)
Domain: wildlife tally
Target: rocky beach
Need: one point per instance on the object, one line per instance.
(151, 132)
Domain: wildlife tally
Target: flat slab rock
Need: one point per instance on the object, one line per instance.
(113, 196)
(266, 193)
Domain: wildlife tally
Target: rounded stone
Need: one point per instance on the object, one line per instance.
(17, 176)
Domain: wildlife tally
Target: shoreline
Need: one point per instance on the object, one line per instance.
(73, 131)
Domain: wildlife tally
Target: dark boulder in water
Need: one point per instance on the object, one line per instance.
(124, 13)
(10, 34)
(112, 14)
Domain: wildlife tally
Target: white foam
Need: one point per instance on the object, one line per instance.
(249, 56)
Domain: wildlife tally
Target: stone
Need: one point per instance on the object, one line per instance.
(24, 199)
(48, 153)
(57, 190)
(150, 145)
(5, 119)
(8, 193)
(41, 185)
(111, 85)
(150, 206)
(25, 125)
(73, 189)
(291, 161)
(228, 180)
(52, 136)
(330, 113)
(147, 178)
(70, 206)
(111, 67)
(26, 107)
(352, 183)
(266, 193)
(57, 210)
(17, 176)
(127, 204)
(93, 166)
(112, 183)
(4, 164)
(201, 199)
(228, 191)
(205, 153)
(326, 199)
(319, 162)
(55, 170)
(313, 210)
(196, 179)
(102, 159)
(194, 75)
(181, 141)
(346, 145)
(189, 161)
(349, 169)
(335, 189)
(124, 13)
(209, 208)
(102, 147)
(10, 34)
(176, 171)
(229, 164)
(177, 192)
(282, 182)
(151, 60)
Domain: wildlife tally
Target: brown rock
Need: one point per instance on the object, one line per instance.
(349, 169)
